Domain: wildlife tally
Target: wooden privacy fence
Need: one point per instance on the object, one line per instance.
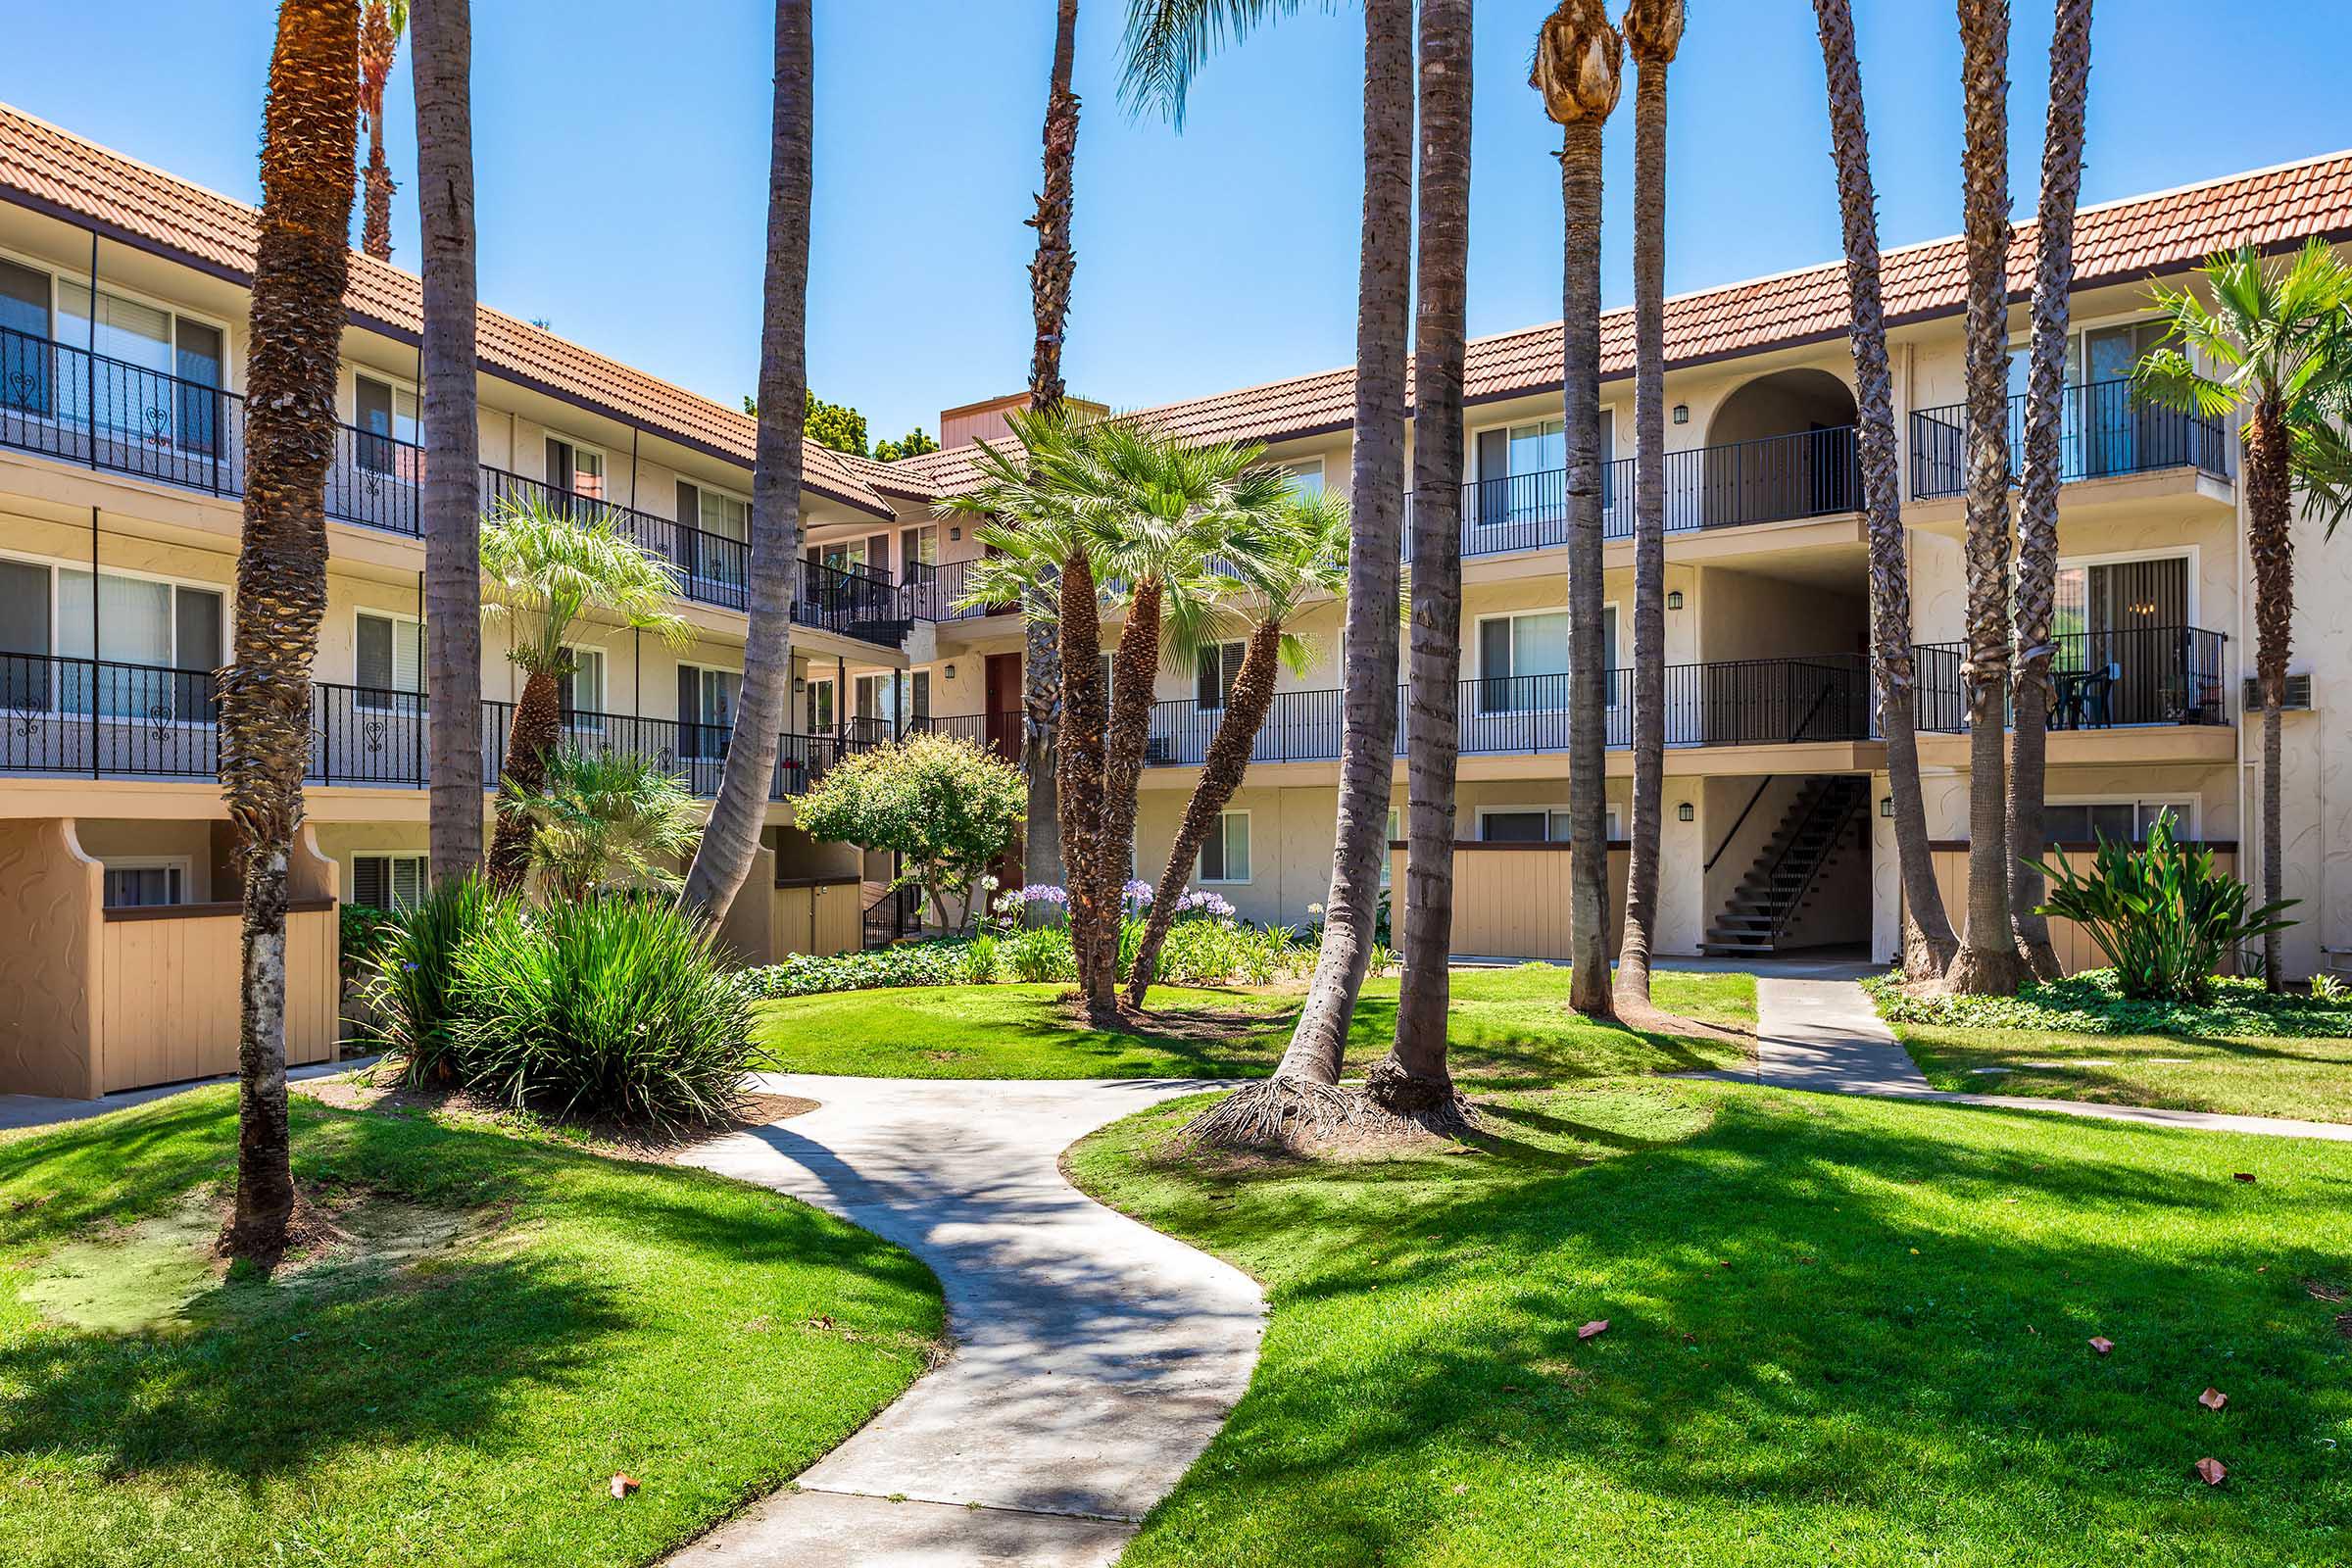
(1510, 901)
(2076, 951)
(168, 977)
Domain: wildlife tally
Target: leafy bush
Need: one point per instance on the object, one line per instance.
(413, 988)
(613, 1004)
(980, 961)
(2093, 1003)
(1041, 955)
(1216, 952)
(945, 805)
(363, 929)
(911, 963)
(601, 815)
(2161, 912)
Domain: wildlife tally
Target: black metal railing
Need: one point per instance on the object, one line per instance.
(1000, 731)
(947, 584)
(2102, 431)
(97, 717)
(2134, 676)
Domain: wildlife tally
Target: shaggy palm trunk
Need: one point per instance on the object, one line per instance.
(1133, 668)
(1049, 275)
(2271, 549)
(532, 735)
(1080, 759)
(442, 62)
(1412, 1079)
(1650, 529)
(1988, 961)
(1304, 1092)
(1587, 672)
(1891, 665)
(310, 132)
(2038, 491)
(378, 42)
(731, 838)
(1222, 769)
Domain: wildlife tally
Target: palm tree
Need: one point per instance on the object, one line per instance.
(1928, 943)
(310, 135)
(2279, 343)
(1578, 57)
(1988, 959)
(732, 837)
(442, 64)
(1303, 556)
(1654, 31)
(542, 570)
(1049, 277)
(1412, 1079)
(1167, 40)
(600, 813)
(2037, 493)
(380, 28)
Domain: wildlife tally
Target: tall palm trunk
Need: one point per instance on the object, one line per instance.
(1079, 758)
(1988, 961)
(1929, 944)
(1222, 769)
(1368, 736)
(2037, 493)
(1129, 733)
(378, 40)
(1049, 275)
(2270, 550)
(442, 62)
(1412, 1079)
(1653, 31)
(533, 736)
(310, 132)
(731, 838)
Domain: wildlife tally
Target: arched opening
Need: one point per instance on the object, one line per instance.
(1781, 446)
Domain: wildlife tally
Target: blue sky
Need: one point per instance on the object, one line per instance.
(621, 152)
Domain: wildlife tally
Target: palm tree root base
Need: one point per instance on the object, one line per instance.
(1430, 1104)
(1296, 1116)
(1986, 972)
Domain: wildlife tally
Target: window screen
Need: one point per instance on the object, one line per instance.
(387, 881)
(1214, 675)
(132, 886)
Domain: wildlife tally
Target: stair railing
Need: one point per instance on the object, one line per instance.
(1845, 821)
(1737, 821)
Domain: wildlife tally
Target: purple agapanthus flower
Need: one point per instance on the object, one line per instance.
(1137, 891)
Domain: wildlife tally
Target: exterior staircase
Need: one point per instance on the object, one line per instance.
(1816, 829)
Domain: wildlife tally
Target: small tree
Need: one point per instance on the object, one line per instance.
(601, 814)
(943, 805)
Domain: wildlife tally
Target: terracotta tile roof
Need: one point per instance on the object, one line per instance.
(2113, 241)
(146, 207)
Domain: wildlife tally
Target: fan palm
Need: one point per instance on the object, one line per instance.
(2038, 491)
(1167, 42)
(310, 136)
(442, 65)
(1928, 943)
(1653, 31)
(601, 814)
(542, 571)
(1297, 556)
(731, 838)
(1579, 60)
(2276, 347)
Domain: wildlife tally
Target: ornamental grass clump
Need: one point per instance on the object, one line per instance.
(411, 997)
(2162, 912)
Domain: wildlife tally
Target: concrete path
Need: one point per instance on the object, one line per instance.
(19, 1111)
(1093, 1360)
(1824, 1035)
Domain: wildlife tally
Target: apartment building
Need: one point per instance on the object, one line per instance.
(123, 306)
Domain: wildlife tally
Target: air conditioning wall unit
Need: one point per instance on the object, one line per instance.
(2296, 697)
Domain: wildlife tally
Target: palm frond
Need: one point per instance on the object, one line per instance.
(1168, 41)
(542, 569)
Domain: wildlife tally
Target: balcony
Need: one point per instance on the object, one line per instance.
(1776, 478)
(2102, 434)
(64, 402)
(2126, 678)
(96, 718)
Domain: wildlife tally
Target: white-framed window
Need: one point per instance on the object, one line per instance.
(1523, 660)
(1305, 476)
(152, 654)
(390, 416)
(877, 698)
(2126, 818)
(577, 468)
(390, 660)
(1388, 857)
(706, 709)
(715, 512)
(1214, 673)
(820, 706)
(1519, 471)
(580, 690)
(918, 547)
(1530, 825)
(387, 881)
(133, 884)
(163, 385)
(1225, 857)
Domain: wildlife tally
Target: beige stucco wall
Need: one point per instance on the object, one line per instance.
(49, 921)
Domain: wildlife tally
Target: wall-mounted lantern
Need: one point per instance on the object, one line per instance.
(1681, 413)
(1887, 807)
(1673, 599)
(951, 672)
(1684, 813)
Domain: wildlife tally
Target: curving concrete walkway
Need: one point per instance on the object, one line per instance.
(1095, 1358)
(1823, 1034)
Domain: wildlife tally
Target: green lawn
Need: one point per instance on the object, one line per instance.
(1511, 1028)
(555, 1317)
(1839, 1331)
(2272, 1076)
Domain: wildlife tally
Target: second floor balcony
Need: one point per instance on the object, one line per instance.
(2103, 432)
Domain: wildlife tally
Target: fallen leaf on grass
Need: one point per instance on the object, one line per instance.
(1460, 1488)
(2213, 1399)
(2210, 1471)
(823, 1322)
(2102, 1345)
(622, 1485)
(2241, 1175)
(1599, 1325)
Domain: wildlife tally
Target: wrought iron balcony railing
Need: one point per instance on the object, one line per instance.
(2102, 431)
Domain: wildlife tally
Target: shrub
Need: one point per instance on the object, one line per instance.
(1215, 952)
(2161, 913)
(411, 991)
(614, 1005)
(980, 961)
(605, 815)
(911, 963)
(2093, 1003)
(947, 806)
(1041, 955)
(363, 931)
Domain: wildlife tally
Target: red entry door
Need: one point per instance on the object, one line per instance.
(1005, 705)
